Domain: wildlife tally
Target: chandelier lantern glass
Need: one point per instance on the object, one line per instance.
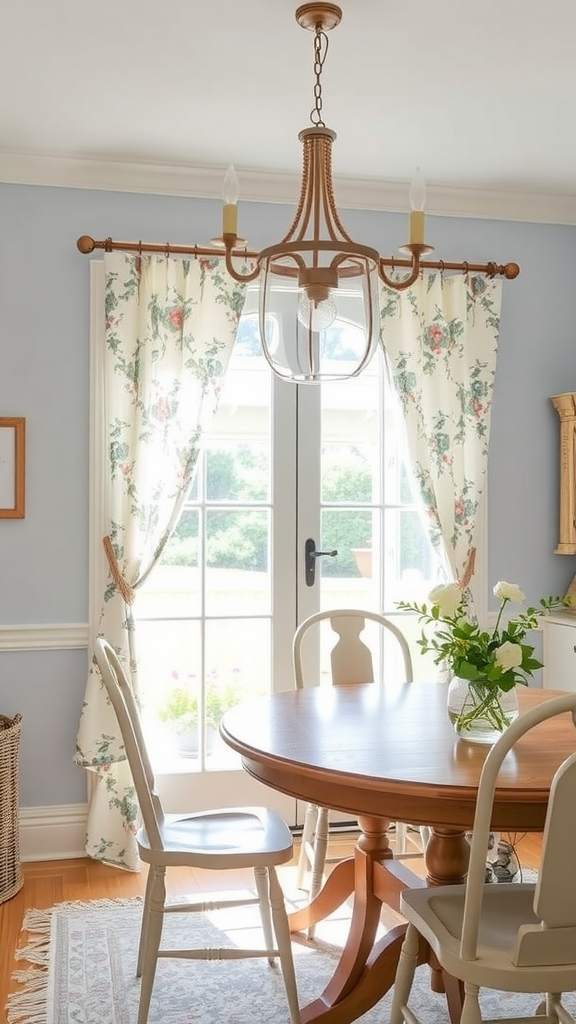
(317, 275)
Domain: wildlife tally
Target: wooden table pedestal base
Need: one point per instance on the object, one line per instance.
(367, 966)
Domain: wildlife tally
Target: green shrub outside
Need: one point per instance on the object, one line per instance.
(238, 538)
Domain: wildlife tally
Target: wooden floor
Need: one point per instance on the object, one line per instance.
(50, 882)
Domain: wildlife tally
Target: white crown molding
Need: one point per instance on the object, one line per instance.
(275, 187)
(56, 637)
(53, 833)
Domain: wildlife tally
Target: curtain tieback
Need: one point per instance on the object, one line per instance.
(124, 588)
(468, 571)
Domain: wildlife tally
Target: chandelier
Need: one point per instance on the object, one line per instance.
(317, 273)
(317, 277)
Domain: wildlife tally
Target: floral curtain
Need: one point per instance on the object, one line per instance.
(169, 331)
(440, 338)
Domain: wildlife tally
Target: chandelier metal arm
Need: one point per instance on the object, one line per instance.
(86, 245)
(242, 278)
(405, 282)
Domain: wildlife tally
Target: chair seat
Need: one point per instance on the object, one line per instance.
(250, 835)
(218, 839)
(507, 937)
(438, 912)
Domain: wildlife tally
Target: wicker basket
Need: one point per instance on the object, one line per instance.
(11, 879)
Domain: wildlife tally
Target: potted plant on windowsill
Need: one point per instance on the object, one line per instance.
(363, 559)
(180, 713)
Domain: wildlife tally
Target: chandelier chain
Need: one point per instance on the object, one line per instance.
(320, 52)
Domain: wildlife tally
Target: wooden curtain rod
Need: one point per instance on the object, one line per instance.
(86, 245)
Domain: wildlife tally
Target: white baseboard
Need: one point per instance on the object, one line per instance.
(53, 833)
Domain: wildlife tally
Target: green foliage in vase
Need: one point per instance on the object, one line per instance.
(498, 658)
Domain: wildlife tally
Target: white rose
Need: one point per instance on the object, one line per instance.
(508, 656)
(448, 597)
(508, 592)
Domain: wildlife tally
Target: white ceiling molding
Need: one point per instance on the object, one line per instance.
(274, 187)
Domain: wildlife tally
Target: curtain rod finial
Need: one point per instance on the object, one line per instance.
(85, 244)
(511, 270)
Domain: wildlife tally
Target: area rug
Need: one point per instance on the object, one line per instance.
(81, 961)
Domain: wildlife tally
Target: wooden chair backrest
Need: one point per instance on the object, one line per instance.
(554, 939)
(126, 709)
(350, 660)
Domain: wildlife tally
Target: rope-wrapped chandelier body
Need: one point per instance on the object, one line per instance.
(317, 274)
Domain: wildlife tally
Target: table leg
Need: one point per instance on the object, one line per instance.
(340, 883)
(337, 888)
(366, 968)
(447, 856)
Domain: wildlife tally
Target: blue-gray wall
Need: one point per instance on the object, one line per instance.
(44, 352)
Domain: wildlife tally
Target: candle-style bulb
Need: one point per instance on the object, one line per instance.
(230, 194)
(417, 197)
(230, 187)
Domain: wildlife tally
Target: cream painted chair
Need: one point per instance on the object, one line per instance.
(509, 937)
(350, 662)
(223, 839)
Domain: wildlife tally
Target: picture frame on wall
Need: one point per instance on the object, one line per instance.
(12, 466)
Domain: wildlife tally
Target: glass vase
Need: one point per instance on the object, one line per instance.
(480, 712)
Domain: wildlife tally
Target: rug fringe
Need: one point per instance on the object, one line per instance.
(29, 1004)
(73, 906)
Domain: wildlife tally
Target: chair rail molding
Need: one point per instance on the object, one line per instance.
(46, 637)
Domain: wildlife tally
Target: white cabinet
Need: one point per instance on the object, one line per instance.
(559, 651)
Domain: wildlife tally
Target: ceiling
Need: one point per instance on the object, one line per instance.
(161, 95)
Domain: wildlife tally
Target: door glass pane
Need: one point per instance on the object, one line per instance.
(238, 667)
(409, 562)
(369, 511)
(346, 579)
(237, 569)
(170, 665)
(172, 589)
(204, 638)
(237, 471)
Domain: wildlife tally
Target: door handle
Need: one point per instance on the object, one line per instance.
(310, 556)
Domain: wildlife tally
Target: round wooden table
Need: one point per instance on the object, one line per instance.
(388, 754)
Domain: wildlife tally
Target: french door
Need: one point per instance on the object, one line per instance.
(287, 472)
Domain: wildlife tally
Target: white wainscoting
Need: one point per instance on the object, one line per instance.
(53, 833)
(58, 832)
